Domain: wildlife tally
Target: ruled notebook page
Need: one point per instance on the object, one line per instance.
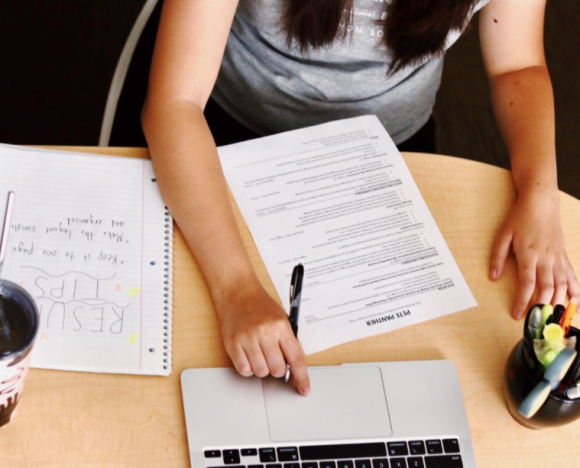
(91, 241)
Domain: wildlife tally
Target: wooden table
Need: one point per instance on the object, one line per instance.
(103, 420)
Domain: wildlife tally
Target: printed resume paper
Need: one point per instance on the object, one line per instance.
(339, 199)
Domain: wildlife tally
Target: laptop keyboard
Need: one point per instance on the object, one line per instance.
(430, 453)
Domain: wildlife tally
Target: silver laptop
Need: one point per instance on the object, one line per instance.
(371, 415)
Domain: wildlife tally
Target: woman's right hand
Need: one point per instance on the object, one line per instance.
(258, 337)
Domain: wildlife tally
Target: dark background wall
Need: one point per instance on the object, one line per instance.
(57, 59)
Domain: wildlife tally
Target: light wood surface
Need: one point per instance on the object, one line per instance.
(70, 419)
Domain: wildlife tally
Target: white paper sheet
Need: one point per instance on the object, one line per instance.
(90, 240)
(339, 199)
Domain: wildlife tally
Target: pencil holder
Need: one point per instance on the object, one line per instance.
(523, 372)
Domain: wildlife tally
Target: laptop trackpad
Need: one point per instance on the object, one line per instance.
(345, 403)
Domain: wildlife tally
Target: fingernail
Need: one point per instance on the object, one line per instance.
(305, 391)
(493, 274)
(518, 314)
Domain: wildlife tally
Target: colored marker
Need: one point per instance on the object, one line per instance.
(535, 324)
(566, 321)
(554, 340)
(557, 315)
(553, 331)
(547, 311)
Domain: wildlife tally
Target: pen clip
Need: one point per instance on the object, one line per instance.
(292, 285)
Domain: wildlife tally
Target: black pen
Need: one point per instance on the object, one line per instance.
(295, 295)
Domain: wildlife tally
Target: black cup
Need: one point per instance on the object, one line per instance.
(19, 322)
(523, 372)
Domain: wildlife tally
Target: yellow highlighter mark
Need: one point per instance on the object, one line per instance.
(22, 283)
(134, 291)
(133, 337)
(118, 287)
(44, 336)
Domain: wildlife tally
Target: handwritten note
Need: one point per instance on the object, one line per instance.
(90, 240)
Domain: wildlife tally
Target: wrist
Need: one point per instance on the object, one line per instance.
(238, 287)
(537, 190)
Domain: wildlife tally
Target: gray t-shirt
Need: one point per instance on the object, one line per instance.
(270, 87)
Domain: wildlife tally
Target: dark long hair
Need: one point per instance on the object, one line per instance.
(413, 29)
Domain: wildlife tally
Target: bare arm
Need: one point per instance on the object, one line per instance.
(511, 33)
(190, 45)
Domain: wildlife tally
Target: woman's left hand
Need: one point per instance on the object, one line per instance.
(533, 232)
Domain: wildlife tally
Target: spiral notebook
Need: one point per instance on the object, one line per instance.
(91, 240)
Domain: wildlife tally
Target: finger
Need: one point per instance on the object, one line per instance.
(295, 359)
(499, 254)
(545, 283)
(526, 286)
(560, 285)
(240, 361)
(274, 357)
(257, 359)
(573, 286)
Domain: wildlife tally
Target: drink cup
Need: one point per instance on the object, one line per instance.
(19, 323)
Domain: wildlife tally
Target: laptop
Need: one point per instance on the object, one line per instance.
(366, 415)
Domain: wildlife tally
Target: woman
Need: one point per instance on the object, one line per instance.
(294, 63)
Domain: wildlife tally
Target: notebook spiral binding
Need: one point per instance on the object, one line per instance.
(167, 290)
